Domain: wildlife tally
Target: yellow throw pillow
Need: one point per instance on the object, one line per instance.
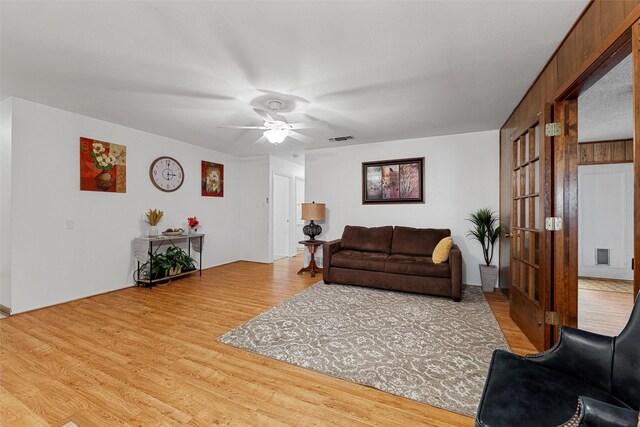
(441, 252)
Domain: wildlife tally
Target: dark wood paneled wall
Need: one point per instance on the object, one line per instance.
(603, 152)
(602, 22)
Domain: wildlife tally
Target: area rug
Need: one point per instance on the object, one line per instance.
(609, 285)
(424, 348)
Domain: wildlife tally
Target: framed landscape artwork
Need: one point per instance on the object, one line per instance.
(393, 181)
(212, 179)
(103, 166)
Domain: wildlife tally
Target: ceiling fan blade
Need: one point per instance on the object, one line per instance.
(308, 125)
(242, 127)
(266, 116)
(300, 137)
(261, 140)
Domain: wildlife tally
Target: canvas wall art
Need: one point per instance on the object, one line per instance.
(393, 181)
(103, 166)
(212, 179)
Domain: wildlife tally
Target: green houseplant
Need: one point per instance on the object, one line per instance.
(486, 230)
(164, 265)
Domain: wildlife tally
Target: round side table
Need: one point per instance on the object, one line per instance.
(312, 245)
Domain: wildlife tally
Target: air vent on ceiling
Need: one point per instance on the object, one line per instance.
(602, 256)
(341, 138)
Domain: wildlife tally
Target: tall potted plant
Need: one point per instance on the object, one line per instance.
(486, 230)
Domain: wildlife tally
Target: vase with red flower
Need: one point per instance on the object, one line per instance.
(193, 224)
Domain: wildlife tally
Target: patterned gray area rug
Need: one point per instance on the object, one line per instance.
(424, 348)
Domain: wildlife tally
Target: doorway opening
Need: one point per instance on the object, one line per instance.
(605, 206)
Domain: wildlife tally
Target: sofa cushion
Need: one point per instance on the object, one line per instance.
(417, 241)
(359, 260)
(442, 250)
(416, 266)
(374, 239)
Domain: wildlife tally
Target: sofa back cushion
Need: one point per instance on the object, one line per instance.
(373, 239)
(417, 241)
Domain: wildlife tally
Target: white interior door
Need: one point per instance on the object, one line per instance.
(281, 216)
(299, 221)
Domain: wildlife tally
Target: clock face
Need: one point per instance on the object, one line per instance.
(166, 173)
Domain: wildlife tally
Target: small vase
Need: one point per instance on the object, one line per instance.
(193, 230)
(104, 180)
(152, 231)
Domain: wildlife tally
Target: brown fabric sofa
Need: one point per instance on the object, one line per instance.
(396, 258)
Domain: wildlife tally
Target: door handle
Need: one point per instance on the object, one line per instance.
(508, 235)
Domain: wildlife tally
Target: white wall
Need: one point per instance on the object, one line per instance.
(461, 175)
(52, 264)
(290, 170)
(5, 202)
(605, 219)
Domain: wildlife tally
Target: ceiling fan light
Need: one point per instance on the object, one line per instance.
(276, 136)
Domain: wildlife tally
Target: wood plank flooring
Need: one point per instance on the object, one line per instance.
(149, 357)
(603, 312)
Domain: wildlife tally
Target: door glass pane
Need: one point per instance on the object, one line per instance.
(536, 211)
(536, 245)
(525, 252)
(526, 212)
(537, 141)
(536, 180)
(526, 147)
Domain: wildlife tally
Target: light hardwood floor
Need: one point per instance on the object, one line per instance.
(603, 312)
(149, 357)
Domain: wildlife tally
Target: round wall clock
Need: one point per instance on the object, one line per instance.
(166, 173)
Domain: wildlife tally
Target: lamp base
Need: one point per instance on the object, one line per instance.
(312, 230)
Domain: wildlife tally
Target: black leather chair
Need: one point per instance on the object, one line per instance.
(584, 380)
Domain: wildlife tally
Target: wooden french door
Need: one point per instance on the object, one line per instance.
(530, 292)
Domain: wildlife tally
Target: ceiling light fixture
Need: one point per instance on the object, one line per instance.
(276, 136)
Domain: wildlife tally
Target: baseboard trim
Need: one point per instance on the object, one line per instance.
(5, 310)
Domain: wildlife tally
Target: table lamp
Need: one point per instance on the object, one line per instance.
(312, 212)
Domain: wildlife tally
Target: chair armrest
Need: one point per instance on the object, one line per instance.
(594, 413)
(328, 250)
(581, 354)
(455, 264)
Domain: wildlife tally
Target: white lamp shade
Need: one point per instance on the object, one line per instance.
(276, 136)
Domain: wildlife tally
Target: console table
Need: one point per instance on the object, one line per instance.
(145, 247)
(312, 245)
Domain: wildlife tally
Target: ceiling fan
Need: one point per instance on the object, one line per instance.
(276, 128)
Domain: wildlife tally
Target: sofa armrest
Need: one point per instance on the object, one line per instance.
(578, 352)
(455, 264)
(328, 250)
(594, 413)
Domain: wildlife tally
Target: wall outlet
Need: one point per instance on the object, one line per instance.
(69, 224)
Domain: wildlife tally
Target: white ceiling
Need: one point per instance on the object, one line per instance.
(605, 110)
(377, 70)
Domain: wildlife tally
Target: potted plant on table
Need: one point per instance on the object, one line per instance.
(486, 230)
(153, 217)
(193, 224)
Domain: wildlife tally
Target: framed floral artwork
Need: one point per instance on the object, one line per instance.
(212, 179)
(103, 166)
(393, 181)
